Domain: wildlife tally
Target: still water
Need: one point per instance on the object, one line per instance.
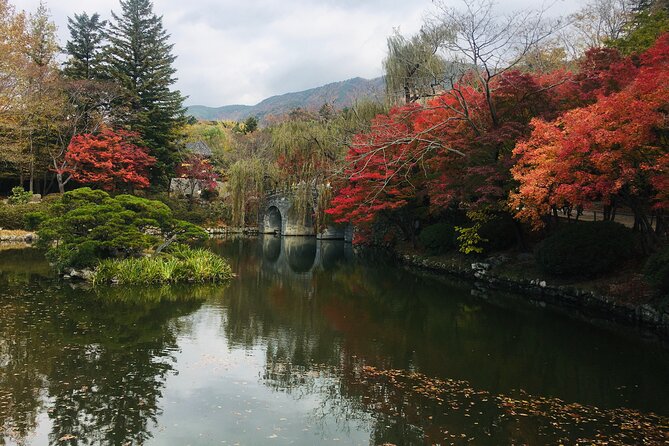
(311, 344)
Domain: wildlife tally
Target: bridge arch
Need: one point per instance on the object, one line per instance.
(273, 220)
(279, 216)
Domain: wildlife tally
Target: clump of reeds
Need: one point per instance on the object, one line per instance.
(182, 264)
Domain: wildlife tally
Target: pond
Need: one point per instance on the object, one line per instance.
(312, 344)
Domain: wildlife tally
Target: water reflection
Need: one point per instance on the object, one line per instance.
(96, 362)
(292, 256)
(369, 313)
(311, 345)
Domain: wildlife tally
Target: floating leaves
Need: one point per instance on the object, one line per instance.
(449, 409)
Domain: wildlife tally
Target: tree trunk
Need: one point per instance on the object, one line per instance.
(61, 184)
(648, 236)
(31, 186)
(660, 227)
(520, 237)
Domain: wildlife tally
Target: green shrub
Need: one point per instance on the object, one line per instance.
(87, 225)
(182, 265)
(20, 196)
(196, 212)
(32, 220)
(11, 216)
(657, 270)
(438, 238)
(585, 249)
(15, 216)
(499, 233)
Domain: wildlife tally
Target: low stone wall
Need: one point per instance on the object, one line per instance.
(646, 317)
(17, 237)
(225, 230)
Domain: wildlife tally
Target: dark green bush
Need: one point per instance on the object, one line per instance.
(32, 220)
(87, 225)
(585, 249)
(438, 238)
(657, 270)
(499, 233)
(13, 216)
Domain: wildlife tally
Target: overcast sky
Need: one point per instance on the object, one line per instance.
(242, 51)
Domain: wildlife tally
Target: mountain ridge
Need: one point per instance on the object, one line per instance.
(340, 94)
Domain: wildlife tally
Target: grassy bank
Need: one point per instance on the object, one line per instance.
(182, 264)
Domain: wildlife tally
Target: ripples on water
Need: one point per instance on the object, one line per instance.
(312, 345)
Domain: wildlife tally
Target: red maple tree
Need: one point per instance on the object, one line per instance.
(455, 149)
(109, 159)
(198, 171)
(613, 151)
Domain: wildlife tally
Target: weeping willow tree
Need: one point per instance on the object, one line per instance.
(248, 179)
(310, 152)
(413, 68)
(215, 134)
(300, 155)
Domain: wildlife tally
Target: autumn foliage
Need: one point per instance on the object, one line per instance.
(197, 170)
(110, 159)
(613, 151)
(454, 149)
(533, 143)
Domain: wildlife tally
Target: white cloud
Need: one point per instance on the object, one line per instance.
(233, 51)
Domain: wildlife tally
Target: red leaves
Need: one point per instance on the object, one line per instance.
(109, 159)
(609, 150)
(198, 168)
(468, 149)
(380, 172)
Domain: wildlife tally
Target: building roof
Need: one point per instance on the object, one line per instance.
(199, 148)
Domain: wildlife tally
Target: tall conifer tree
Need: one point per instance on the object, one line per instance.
(140, 59)
(85, 47)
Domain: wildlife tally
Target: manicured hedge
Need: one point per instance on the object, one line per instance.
(16, 216)
(585, 249)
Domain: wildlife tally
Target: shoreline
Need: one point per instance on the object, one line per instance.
(593, 306)
(17, 236)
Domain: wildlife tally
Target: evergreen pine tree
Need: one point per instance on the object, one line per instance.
(85, 47)
(139, 58)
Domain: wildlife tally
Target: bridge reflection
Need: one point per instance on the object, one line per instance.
(300, 257)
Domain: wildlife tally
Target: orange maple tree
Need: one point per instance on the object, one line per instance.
(613, 151)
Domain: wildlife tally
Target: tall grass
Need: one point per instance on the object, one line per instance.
(181, 265)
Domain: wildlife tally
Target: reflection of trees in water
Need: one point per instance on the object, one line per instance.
(100, 360)
(22, 266)
(371, 313)
(21, 370)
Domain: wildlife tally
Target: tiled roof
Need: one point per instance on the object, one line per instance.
(199, 148)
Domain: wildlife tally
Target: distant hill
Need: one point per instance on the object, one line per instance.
(340, 94)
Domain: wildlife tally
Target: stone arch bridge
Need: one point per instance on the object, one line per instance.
(279, 216)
